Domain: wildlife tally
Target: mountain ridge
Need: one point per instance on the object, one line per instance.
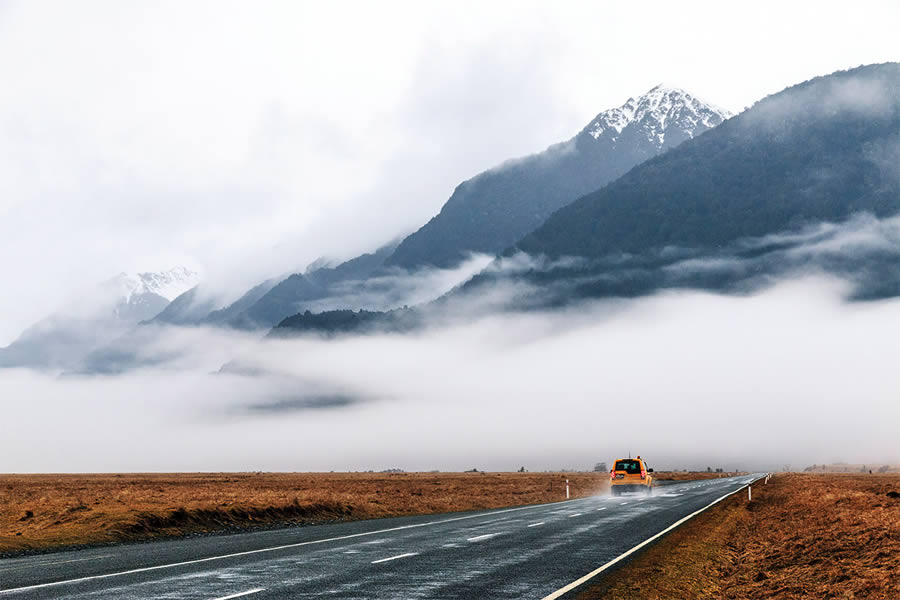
(647, 125)
(805, 182)
(494, 209)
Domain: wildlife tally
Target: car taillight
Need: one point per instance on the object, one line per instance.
(612, 474)
(643, 474)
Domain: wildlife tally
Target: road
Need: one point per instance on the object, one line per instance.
(526, 552)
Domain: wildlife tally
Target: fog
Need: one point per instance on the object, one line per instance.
(791, 375)
(395, 286)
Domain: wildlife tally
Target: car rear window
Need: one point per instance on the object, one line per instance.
(629, 466)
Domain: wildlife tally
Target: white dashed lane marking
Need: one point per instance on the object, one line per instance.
(247, 593)
(479, 538)
(381, 560)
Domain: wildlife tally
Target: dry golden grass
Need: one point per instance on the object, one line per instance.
(803, 536)
(44, 511)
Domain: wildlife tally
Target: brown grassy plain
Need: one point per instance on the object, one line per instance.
(47, 511)
(802, 536)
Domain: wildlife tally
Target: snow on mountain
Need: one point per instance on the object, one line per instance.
(95, 318)
(660, 110)
(168, 284)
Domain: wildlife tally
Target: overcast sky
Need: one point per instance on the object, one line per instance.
(248, 139)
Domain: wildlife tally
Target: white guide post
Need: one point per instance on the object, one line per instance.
(749, 493)
(567, 489)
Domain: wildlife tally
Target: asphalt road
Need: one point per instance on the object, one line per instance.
(526, 552)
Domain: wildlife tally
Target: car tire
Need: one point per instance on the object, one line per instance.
(649, 490)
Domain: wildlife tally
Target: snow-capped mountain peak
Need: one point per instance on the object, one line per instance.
(661, 110)
(168, 284)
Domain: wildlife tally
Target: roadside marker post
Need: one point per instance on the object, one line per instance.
(567, 489)
(749, 493)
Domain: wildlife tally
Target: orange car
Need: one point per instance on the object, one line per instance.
(630, 475)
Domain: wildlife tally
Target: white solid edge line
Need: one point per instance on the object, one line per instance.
(622, 556)
(274, 548)
(381, 560)
(247, 593)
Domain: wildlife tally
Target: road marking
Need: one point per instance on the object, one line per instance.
(58, 562)
(495, 520)
(536, 524)
(478, 538)
(565, 590)
(602, 508)
(381, 560)
(272, 549)
(575, 515)
(257, 590)
(622, 503)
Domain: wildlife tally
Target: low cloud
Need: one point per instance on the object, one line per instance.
(786, 372)
(791, 375)
(398, 287)
(863, 251)
(855, 94)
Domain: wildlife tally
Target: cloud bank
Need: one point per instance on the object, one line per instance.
(792, 375)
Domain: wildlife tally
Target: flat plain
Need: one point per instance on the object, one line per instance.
(40, 512)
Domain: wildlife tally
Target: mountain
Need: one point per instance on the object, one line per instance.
(232, 312)
(751, 189)
(270, 302)
(188, 308)
(335, 322)
(285, 298)
(495, 209)
(486, 214)
(98, 316)
(166, 284)
(805, 181)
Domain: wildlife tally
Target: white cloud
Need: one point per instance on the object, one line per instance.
(792, 375)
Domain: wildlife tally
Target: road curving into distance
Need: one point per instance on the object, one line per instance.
(542, 551)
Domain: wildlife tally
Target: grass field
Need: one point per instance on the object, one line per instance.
(802, 536)
(46, 511)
